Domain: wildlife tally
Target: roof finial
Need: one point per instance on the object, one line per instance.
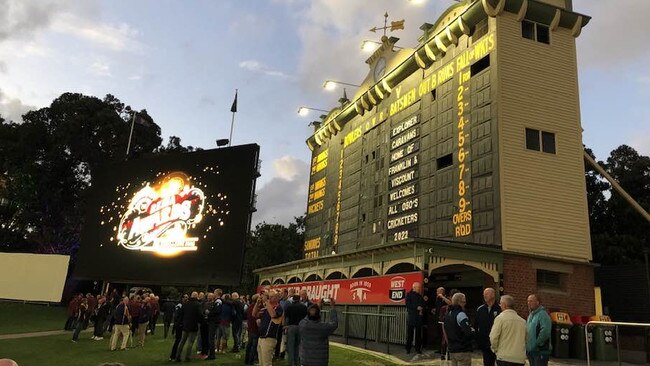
(394, 25)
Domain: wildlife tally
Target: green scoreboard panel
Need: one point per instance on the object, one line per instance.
(422, 164)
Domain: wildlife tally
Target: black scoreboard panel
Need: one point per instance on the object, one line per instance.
(422, 164)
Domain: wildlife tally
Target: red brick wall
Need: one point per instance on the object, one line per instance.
(576, 298)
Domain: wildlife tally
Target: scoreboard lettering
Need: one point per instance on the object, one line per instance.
(404, 151)
(403, 212)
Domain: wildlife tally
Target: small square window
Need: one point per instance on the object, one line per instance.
(445, 161)
(549, 279)
(548, 142)
(480, 65)
(532, 139)
(543, 34)
(528, 30)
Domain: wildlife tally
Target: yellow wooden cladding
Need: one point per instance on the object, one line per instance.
(543, 196)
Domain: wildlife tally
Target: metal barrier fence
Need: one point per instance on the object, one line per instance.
(615, 325)
(381, 324)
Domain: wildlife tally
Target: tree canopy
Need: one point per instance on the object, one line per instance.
(619, 234)
(46, 165)
(271, 244)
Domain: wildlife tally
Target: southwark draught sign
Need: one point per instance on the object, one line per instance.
(377, 290)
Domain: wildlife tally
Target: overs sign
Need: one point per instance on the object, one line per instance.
(377, 290)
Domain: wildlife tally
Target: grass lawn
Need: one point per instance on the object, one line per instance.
(59, 350)
(24, 318)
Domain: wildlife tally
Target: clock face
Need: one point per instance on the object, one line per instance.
(380, 69)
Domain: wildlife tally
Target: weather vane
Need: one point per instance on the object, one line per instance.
(394, 25)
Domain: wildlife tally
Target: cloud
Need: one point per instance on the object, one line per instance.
(285, 195)
(12, 109)
(641, 143)
(117, 37)
(616, 35)
(287, 168)
(645, 80)
(20, 19)
(100, 68)
(3, 67)
(331, 31)
(258, 67)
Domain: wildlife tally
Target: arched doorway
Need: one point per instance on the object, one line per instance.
(313, 278)
(365, 272)
(403, 268)
(294, 279)
(278, 281)
(338, 275)
(454, 276)
(466, 279)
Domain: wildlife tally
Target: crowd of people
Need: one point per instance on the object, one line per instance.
(278, 324)
(271, 325)
(142, 310)
(503, 336)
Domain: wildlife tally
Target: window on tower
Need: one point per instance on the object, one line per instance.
(532, 139)
(528, 29)
(548, 142)
(535, 31)
(543, 33)
(540, 140)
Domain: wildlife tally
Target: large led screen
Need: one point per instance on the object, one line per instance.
(170, 219)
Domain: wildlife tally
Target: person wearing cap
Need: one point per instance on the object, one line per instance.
(314, 335)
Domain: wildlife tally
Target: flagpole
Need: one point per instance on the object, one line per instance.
(232, 124)
(128, 146)
(233, 109)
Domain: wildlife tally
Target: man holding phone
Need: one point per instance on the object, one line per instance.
(269, 312)
(314, 335)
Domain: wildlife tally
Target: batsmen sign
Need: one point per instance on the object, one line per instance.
(169, 219)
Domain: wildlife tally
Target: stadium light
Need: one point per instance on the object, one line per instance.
(304, 111)
(331, 84)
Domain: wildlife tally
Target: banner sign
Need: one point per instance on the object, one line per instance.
(376, 290)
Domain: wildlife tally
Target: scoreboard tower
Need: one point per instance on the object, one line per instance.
(461, 158)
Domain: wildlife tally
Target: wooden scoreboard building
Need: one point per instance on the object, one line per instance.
(458, 162)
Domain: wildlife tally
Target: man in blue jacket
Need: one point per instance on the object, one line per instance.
(459, 333)
(538, 346)
(485, 315)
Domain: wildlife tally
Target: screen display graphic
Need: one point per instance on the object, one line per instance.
(170, 219)
(159, 216)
